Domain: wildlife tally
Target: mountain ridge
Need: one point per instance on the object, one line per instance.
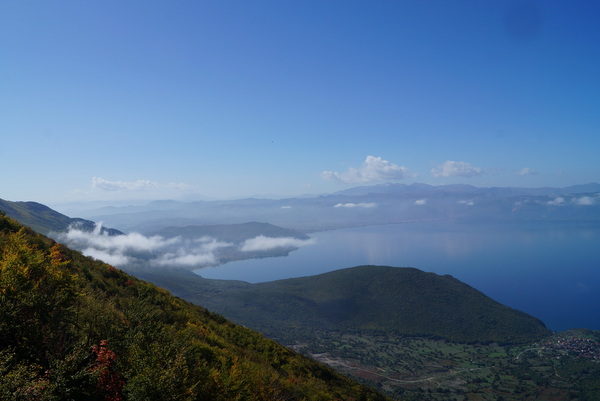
(379, 204)
(405, 301)
(45, 220)
(467, 188)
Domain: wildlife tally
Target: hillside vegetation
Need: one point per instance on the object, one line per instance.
(45, 220)
(402, 301)
(72, 328)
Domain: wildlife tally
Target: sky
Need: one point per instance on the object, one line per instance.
(187, 100)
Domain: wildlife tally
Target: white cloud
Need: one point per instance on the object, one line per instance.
(121, 250)
(584, 201)
(466, 202)
(420, 202)
(112, 258)
(351, 205)
(262, 243)
(106, 185)
(526, 171)
(373, 169)
(557, 201)
(186, 257)
(210, 244)
(452, 168)
(119, 243)
(137, 249)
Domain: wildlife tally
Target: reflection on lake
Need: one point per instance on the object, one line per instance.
(551, 271)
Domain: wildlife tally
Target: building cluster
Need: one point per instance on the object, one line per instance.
(580, 347)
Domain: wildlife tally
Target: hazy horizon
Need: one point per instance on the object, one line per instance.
(194, 197)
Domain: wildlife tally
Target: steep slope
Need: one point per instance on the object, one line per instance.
(73, 328)
(400, 301)
(559, 367)
(45, 220)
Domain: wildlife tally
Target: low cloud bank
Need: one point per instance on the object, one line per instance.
(351, 205)
(156, 251)
(132, 248)
(262, 243)
(466, 202)
(190, 253)
(580, 201)
(557, 201)
(98, 239)
(584, 201)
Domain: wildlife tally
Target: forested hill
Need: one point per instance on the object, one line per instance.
(72, 328)
(45, 220)
(399, 301)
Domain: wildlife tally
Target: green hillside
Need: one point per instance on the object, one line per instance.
(400, 301)
(72, 328)
(45, 220)
(557, 367)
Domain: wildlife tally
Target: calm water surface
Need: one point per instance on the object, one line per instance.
(551, 271)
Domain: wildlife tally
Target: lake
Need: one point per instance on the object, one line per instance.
(549, 270)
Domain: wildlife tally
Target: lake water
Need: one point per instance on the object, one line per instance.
(551, 271)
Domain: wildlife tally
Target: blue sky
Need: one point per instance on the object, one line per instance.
(118, 100)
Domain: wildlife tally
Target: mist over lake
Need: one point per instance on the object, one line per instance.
(549, 270)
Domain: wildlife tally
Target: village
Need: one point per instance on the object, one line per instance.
(573, 345)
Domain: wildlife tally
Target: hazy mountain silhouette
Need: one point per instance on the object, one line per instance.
(378, 204)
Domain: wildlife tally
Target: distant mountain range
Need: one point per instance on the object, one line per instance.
(379, 204)
(424, 189)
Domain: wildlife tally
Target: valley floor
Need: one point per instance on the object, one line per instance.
(565, 366)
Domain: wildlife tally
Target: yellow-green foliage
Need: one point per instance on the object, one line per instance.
(72, 328)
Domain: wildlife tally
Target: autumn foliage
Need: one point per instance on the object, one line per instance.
(109, 381)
